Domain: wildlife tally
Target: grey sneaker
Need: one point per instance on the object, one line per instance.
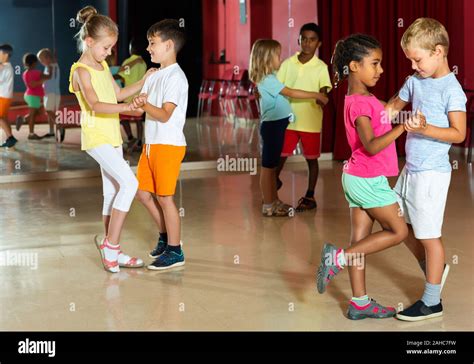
(327, 269)
(371, 310)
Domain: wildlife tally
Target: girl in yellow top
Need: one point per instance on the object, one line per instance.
(92, 83)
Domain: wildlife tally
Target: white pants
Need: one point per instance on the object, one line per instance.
(118, 181)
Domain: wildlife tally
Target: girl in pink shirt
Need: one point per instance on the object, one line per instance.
(371, 138)
(33, 80)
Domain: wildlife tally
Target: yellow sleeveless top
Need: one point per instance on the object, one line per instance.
(97, 129)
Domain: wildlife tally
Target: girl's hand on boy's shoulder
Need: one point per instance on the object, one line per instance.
(149, 72)
(256, 93)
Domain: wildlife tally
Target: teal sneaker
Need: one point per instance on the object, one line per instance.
(10, 142)
(370, 310)
(169, 259)
(159, 249)
(327, 269)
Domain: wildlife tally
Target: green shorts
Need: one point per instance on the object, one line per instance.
(367, 193)
(33, 102)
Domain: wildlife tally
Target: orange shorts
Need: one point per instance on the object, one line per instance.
(4, 107)
(158, 168)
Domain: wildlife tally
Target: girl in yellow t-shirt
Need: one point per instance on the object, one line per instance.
(92, 83)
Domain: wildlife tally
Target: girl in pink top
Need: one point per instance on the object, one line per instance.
(371, 138)
(33, 80)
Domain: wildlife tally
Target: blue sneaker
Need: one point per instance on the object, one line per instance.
(159, 249)
(169, 259)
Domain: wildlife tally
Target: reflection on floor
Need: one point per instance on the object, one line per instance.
(208, 138)
(242, 272)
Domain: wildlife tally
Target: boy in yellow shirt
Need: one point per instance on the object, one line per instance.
(307, 72)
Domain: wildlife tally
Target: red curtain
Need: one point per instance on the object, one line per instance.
(385, 20)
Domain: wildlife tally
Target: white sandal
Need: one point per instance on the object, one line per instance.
(127, 261)
(112, 267)
(124, 260)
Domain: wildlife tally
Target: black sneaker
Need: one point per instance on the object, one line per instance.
(419, 311)
(159, 249)
(61, 131)
(9, 143)
(20, 120)
(279, 183)
(34, 137)
(49, 135)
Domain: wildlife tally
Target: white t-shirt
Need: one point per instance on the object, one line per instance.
(6, 80)
(52, 86)
(167, 85)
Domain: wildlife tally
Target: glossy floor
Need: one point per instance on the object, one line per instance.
(242, 272)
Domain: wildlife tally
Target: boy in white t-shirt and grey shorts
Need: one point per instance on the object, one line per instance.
(422, 187)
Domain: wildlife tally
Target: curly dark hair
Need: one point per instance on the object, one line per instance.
(30, 59)
(352, 48)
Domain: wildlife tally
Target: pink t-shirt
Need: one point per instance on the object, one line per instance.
(33, 75)
(361, 163)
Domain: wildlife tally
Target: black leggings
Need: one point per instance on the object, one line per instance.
(273, 136)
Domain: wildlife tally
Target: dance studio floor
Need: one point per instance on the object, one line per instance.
(242, 272)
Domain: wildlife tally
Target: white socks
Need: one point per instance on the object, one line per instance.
(361, 301)
(111, 252)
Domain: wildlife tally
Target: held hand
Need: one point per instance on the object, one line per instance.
(130, 108)
(416, 123)
(139, 101)
(322, 100)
